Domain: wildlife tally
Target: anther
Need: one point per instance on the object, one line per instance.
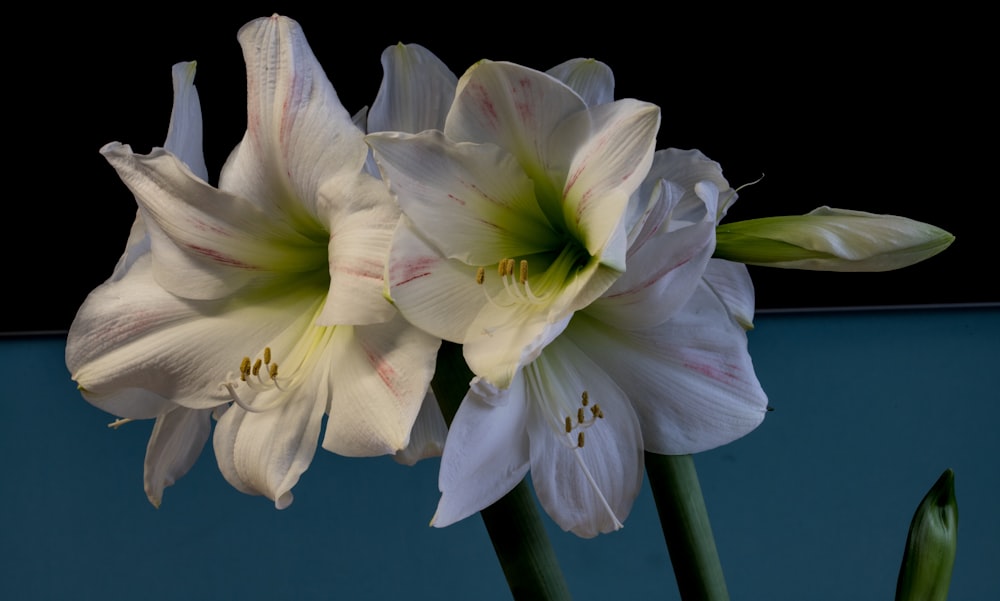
(256, 367)
(584, 398)
(508, 267)
(569, 425)
(267, 354)
(244, 368)
(523, 276)
(480, 275)
(579, 440)
(579, 415)
(273, 371)
(596, 411)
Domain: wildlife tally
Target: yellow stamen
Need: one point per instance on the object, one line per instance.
(480, 275)
(579, 440)
(256, 367)
(523, 276)
(579, 415)
(273, 371)
(569, 425)
(267, 354)
(584, 398)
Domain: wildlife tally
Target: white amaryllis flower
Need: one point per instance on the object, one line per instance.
(515, 212)
(579, 367)
(658, 363)
(263, 296)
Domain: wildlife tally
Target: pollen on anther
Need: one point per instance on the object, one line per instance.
(596, 411)
(273, 371)
(569, 425)
(584, 399)
(579, 439)
(244, 368)
(256, 367)
(480, 275)
(579, 415)
(523, 276)
(267, 354)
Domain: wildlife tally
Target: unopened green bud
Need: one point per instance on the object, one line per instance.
(925, 573)
(828, 239)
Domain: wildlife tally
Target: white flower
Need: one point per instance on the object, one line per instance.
(525, 190)
(580, 363)
(263, 295)
(827, 239)
(659, 363)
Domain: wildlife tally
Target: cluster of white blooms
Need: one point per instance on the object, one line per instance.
(524, 215)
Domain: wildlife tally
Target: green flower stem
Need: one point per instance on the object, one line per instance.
(686, 529)
(513, 523)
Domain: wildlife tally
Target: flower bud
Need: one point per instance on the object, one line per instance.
(828, 239)
(925, 573)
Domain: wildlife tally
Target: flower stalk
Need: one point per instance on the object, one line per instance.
(686, 528)
(514, 524)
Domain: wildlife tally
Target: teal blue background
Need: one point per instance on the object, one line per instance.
(869, 408)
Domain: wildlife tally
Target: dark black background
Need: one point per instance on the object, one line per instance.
(882, 113)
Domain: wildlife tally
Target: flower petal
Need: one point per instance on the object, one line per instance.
(518, 109)
(360, 234)
(428, 435)
(587, 490)
(591, 79)
(178, 438)
(382, 375)
(472, 201)
(184, 134)
(690, 379)
(265, 453)
(612, 150)
(133, 346)
(486, 453)
(298, 132)
(416, 92)
(206, 243)
(664, 268)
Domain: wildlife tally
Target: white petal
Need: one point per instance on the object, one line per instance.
(688, 167)
(360, 234)
(428, 434)
(518, 109)
(473, 202)
(298, 133)
(416, 92)
(178, 438)
(659, 280)
(731, 283)
(691, 379)
(591, 79)
(587, 490)
(612, 150)
(436, 294)
(133, 346)
(184, 135)
(382, 373)
(207, 243)
(265, 453)
(486, 453)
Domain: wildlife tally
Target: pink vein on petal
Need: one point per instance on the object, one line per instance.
(383, 369)
(219, 257)
(711, 370)
(404, 272)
